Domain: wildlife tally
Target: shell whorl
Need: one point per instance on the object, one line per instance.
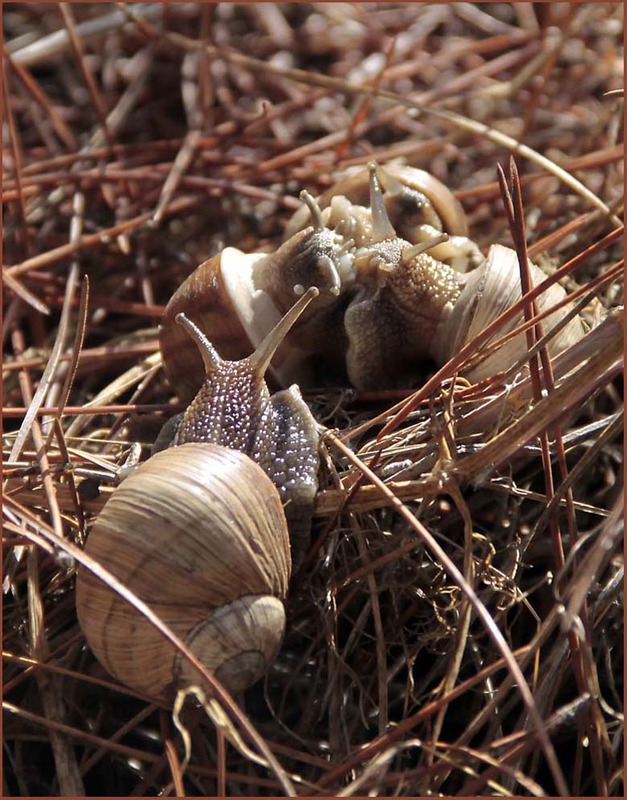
(153, 536)
(487, 292)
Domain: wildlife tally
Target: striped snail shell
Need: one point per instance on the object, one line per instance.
(198, 532)
(489, 291)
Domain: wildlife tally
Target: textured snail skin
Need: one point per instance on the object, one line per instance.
(234, 408)
(391, 330)
(278, 432)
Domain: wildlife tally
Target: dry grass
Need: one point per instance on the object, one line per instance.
(137, 140)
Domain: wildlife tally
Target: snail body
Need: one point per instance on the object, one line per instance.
(428, 311)
(413, 198)
(206, 531)
(236, 298)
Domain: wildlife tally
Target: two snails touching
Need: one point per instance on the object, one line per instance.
(374, 277)
(400, 284)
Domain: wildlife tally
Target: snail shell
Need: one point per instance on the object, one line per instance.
(487, 292)
(199, 533)
(217, 297)
(412, 198)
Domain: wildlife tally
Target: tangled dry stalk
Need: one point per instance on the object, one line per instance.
(458, 626)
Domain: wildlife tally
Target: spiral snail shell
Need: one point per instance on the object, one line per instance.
(487, 292)
(219, 586)
(207, 529)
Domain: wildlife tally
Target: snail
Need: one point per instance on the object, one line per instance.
(372, 303)
(417, 205)
(427, 310)
(206, 530)
(400, 284)
(236, 298)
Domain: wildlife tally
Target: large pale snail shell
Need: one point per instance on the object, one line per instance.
(412, 197)
(197, 532)
(487, 292)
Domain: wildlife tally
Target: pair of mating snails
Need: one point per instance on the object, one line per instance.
(375, 276)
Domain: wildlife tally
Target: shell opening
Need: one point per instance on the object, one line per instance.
(236, 641)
